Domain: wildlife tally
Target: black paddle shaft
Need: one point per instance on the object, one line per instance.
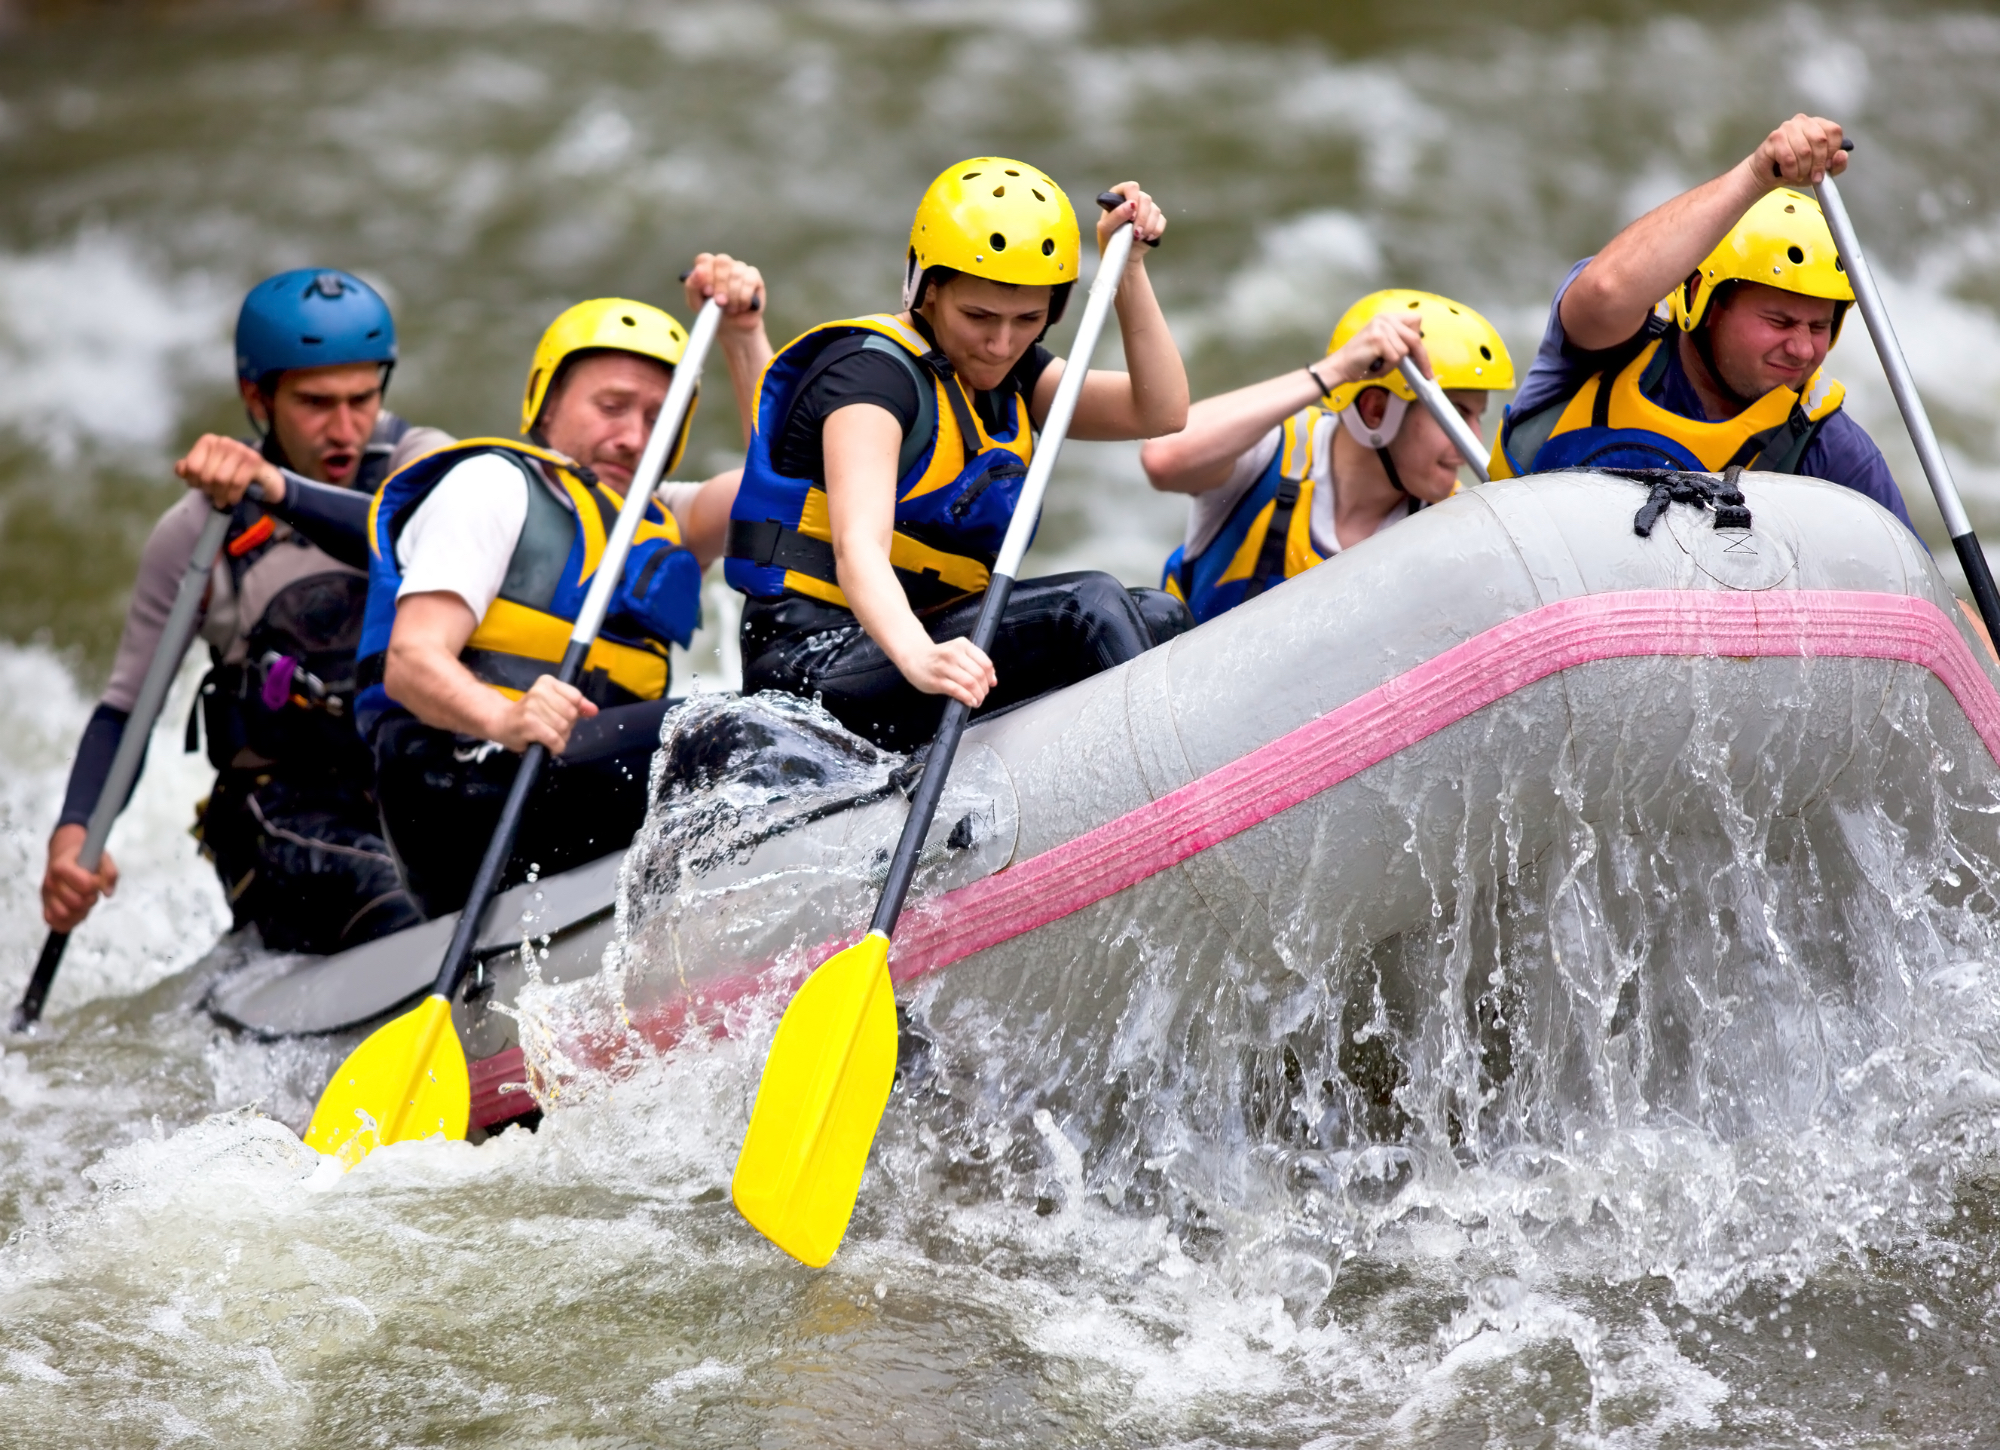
(500, 849)
(937, 765)
(29, 1012)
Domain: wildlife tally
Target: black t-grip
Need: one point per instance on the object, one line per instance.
(1111, 201)
(1846, 144)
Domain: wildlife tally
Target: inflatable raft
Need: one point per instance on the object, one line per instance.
(1233, 824)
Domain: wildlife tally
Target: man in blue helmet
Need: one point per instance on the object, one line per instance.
(291, 824)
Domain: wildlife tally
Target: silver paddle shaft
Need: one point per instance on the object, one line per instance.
(1103, 291)
(174, 637)
(1448, 418)
(652, 463)
(1929, 454)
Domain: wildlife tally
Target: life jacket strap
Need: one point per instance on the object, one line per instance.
(770, 543)
(1271, 556)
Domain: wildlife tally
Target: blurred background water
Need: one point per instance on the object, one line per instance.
(486, 162)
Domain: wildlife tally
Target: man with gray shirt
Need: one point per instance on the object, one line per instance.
(291, 824)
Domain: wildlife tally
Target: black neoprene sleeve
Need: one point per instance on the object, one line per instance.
(93, 764)
(336, 519)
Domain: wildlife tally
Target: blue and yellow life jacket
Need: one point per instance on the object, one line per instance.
(523, 636)
(1610, 422)
(1267, 537)
(956, 489)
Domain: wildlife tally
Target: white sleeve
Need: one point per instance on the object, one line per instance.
(677, 499)
(1208, 512)
(461, 539)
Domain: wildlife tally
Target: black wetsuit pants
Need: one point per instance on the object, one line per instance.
(1057, 630)
(302, 856)
(441, 796)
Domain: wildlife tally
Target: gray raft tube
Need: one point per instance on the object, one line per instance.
(1277, 792)
(1250, 810)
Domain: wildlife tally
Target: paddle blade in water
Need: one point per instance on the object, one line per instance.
(407, 1080)
(825, 1085)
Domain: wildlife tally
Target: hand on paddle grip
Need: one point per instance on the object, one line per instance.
(1806, 150)
(956, 667)
(226, 468)
(69, 891)
(544, 716)
(1374, 352)
(737, 287)
(1148, 221)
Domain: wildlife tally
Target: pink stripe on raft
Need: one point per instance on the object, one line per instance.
(1419, 703)
(1366, 731)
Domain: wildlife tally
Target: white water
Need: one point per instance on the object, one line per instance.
(181, 1273)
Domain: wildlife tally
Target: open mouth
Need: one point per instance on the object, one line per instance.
(338, 465)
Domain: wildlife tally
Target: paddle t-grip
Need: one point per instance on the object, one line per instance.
(1779, 171)
(1111, 201)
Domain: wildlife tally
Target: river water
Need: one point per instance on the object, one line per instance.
(180, 1269)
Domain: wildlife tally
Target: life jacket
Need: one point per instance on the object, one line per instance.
(524, 634)
(281, 686)
(1610, 422)
(956, 489)
(1267, 537)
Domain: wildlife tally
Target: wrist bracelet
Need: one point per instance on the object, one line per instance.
(1313, 373)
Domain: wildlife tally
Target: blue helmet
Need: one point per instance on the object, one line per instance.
(312, 318)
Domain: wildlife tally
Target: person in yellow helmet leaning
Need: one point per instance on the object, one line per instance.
(890, 452)
(1726, 369)
(480, 557)
(1289, 471)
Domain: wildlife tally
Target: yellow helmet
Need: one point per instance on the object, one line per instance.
(1783, 242)
(1464, 349)
(613, 324)
(998, 219)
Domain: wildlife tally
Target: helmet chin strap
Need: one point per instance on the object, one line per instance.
(1381, 436)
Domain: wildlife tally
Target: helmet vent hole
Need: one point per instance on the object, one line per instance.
(1838, 265)
(1452, 310)
(970, 176)
(310, 341)
(1486, 352)
(1048, 246)
(374, 332)
(628, 322)
(1789, 208)
(1036, 194)
(1414, 304)
(999, 242)
(1013, 173)
(1795, 254)
(1000, 190)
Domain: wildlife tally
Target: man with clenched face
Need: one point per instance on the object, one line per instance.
(1726, 370)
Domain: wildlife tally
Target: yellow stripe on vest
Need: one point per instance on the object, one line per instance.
(514, 629)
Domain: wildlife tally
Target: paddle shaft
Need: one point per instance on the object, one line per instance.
(589, 619)
(1972, 558)
(1020, 529)
(1448, 418)
(166, 663)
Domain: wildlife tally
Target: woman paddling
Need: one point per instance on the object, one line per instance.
(889, 454)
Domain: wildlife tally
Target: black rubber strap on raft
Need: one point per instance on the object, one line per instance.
(1702, 490)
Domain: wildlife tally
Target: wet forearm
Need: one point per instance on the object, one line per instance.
(1159, 385)
(1221, 430)
(1609, 300)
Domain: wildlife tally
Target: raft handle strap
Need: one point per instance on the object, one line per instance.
(1703, 490)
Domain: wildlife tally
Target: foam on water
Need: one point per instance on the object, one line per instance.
(1814, 1268)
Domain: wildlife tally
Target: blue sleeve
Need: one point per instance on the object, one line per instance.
(93, 765)
(1557, 368)
(336, 519)
(1843, 453)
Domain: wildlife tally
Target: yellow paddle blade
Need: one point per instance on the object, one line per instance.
(825, 1085)
(406, 1080)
